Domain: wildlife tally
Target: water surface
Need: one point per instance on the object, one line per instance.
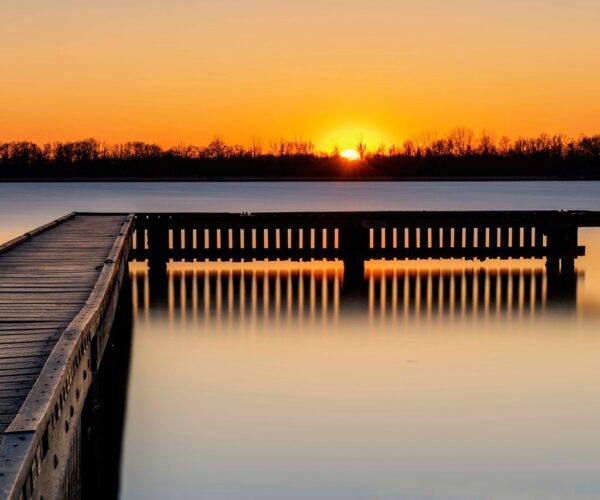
(454, 380)
(436, 380)
(27, 205)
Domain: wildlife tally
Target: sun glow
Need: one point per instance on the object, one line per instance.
(350, 154)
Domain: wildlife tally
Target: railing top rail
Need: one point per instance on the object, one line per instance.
(578, 218)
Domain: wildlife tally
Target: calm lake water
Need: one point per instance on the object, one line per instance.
(435, 380)
(27, 205)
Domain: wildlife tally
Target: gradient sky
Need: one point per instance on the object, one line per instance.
(181, 71)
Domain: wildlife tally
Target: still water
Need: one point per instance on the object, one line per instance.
(430, 380)
(451, 381)
(27, 205)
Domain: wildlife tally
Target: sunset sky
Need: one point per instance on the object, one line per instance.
(181, 71)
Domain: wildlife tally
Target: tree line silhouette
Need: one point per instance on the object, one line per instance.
(458, 154)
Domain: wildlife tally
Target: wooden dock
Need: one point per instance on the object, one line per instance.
(58, 285)
(358, 236)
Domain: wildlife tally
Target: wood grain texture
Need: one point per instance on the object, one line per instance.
(46, 277)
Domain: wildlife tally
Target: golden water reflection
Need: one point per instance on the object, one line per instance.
(276, 293)
(458, 380)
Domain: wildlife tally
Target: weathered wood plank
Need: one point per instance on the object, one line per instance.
(20, 371)
(15, 384)
(11, 393)
(23, 376)
(45, 279)
(43, 326)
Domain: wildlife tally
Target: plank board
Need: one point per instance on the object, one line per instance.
(44, 283)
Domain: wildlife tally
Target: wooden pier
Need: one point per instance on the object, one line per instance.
(58, 290)
(59, 287)
(358, 236)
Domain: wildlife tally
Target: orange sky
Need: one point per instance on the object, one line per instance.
(184, 70)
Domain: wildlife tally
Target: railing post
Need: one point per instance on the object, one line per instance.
(569, 241)
(158, 255)
(158, 239)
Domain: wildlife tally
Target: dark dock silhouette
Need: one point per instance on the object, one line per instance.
(355, 237)
(59, 287)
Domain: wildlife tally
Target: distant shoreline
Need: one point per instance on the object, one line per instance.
(543, 158)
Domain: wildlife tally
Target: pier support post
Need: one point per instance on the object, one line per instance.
(562, 288)
(157, 277)
(354, 275)
(567, 265)
(560, 266)
(354, 242)
(552, 265)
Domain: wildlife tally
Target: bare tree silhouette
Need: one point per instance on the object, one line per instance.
(487, 143)
(461, 141)
(458, 153)
(216, 149)
(361, 147)
(423, 142)
(256, 148)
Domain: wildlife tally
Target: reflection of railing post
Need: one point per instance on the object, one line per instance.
(158, 249)
(562, 280)
(562, 287)
(157, 278)
(552, 264)
(567, 265)
(562, 249)
(569, 240)
(354, 274)
(354, 243)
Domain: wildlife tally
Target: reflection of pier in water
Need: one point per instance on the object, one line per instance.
(358, 237)
(355, 237)
(279, 292)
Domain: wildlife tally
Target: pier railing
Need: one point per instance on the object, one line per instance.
(358, 236)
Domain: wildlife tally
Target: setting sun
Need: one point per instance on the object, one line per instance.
(350, 154)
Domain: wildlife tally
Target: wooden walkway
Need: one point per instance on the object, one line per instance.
(45, 280)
